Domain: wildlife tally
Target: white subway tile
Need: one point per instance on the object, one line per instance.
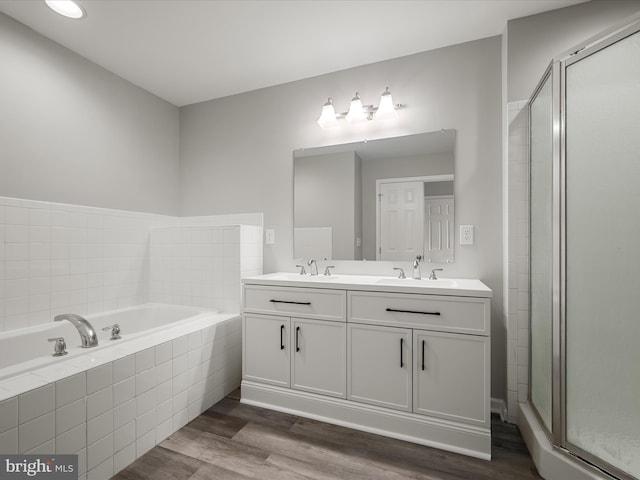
(180, 364)
(36, 432)
(125, 413)
(145, 381)
(99, 402)
(145, 360)
(35, 403)
(8, 414)
(163, 352)
(164, 430)
(145, 443)
(100, 427)
(124, 391)
(44, 448)
(9, 442)
(73, 440)
(124, 457)
(180, 346)
(124, 436)
(70, 416)
(145, 423)
(99, 452)
(99, 378)
(164, 391)
(124, 367)
(145, 402)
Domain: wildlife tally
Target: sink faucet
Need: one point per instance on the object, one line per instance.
(313, 267)
(434, 275)
(86, 331)
(416, 268)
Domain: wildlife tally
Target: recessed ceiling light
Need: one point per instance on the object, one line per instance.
(68, 8)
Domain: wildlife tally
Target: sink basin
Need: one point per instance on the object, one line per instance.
(296, 277)
(423, 282)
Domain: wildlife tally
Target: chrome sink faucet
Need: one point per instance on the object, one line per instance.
(85, 329)
(313, 267)
(416, 268)
(434, 275)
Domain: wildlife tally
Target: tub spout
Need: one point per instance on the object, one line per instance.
(86, 331)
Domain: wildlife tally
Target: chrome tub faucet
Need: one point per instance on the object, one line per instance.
(85, 329)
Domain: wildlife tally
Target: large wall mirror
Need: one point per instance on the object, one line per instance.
(386, 199)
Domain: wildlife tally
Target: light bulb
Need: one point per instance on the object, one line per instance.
(328, 116)
(386, 110)
(67, 8)
(356, 112)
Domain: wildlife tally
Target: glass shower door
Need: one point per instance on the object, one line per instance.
(602, 255)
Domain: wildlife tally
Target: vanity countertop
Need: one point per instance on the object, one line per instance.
(461, 287)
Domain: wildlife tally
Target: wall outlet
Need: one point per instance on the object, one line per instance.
(270, 236)
(466, 234)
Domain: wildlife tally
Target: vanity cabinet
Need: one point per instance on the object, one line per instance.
(400, 361)
(380, 366)
(295, 339)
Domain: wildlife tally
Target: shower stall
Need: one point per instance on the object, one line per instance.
(585, 254)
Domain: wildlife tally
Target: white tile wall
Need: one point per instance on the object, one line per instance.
(57, 258)
(203, 265)
(518, 260)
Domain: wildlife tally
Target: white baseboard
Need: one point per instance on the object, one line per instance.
(499, 407)
(455, 437)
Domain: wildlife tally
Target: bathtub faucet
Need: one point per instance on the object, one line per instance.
(86, 331)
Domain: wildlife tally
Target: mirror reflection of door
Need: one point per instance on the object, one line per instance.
(401, 207)
(438, 217)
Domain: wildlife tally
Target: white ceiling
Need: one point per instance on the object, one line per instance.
(188, 51)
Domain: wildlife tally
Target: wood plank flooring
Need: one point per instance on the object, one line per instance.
(231, 441)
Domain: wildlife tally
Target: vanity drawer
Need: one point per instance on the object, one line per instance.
(460, 314)
(318, 303)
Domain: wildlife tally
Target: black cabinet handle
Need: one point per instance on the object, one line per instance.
(401, 353)
(297, 342)
(289, 301)
(412, 311)
(423, 342)
(281, 337)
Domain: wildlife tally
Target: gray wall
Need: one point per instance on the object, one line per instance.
(535, 40)
(326, 187)
(72, 132)
(236, 152)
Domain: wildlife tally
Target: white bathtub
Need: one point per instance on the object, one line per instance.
(28, 349)
(111, 403)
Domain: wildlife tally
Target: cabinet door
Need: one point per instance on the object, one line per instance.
(265, 352)
(319, 357)
(451, 376)
(379, 366)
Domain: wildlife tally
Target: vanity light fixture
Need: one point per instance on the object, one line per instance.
(66, 8)
(358, 112)
(328, 117)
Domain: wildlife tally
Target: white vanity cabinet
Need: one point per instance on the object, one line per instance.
(410, 360)
(295, 338)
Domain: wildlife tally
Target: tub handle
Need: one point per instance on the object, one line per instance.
(115, 331)
(60, 348)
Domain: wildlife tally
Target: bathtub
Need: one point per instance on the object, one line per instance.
(28, 349)
(111, 403)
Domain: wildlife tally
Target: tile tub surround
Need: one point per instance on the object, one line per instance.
(57, 258)
(112, 407)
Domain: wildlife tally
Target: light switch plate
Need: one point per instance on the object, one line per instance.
(270, 236)
(466, 234)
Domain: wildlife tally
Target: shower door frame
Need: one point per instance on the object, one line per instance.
(556, 72)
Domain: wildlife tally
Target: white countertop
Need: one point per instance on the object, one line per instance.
(462, 287)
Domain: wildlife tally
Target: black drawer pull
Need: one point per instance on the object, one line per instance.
(288, 301)
(281, 337)
(412, 311)
(423, 342)
(297, 340)
(401, 353)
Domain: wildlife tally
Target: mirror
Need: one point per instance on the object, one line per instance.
(386, 199)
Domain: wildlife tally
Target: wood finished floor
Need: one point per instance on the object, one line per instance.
(232, 441)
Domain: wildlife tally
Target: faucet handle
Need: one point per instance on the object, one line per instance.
(60, 348)
(115, 331)
(433, 275)
(302, 270)
(401, 274)
(327, 272)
